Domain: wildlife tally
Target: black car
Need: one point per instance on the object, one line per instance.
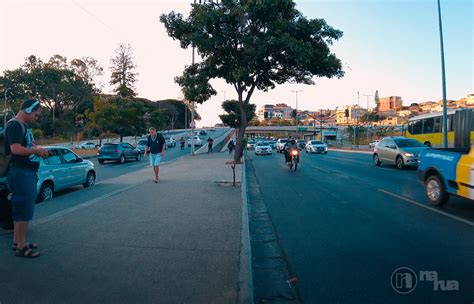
(120, 152)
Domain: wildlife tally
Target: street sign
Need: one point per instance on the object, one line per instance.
(192, 124)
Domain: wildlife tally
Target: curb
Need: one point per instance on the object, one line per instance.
(245, 294)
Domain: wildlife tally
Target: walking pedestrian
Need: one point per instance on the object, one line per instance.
(210, 142)
(231, 146)
(156, 146)
(181, 142)
(22, 174)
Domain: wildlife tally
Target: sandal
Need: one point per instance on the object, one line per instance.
(29, 245)
(26, 252)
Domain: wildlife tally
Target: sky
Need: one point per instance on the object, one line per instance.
(388, 45)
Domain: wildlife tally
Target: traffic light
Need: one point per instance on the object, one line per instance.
(347, 112)
(293, 114)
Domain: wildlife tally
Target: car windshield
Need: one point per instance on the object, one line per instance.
(283, 141)
(251, 141)
(263, 143)
(317, 142)
(408, 143)
(142, 142)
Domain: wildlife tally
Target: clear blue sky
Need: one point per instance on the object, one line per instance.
(399, 41)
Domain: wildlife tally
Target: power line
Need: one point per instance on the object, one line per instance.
(91, 14)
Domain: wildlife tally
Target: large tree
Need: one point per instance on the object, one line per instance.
(122, 71)
(233, 116)
(252, 45)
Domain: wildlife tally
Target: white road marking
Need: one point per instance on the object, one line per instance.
(427, 207)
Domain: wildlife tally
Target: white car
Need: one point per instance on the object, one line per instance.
(372, 144)
(170, 141)
(197, 141)
(280, 144)
(263, 147)
(87, 145)
(250, 144)
(316, 146)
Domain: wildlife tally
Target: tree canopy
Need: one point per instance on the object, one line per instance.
(232, 118)
(252, 45)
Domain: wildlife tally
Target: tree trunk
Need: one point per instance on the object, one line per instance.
(121, 137)
(241, 131)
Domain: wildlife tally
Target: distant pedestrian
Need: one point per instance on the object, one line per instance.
(156, 145)
(231, 146)
(22, 174)
(210, 142)
(181, 142)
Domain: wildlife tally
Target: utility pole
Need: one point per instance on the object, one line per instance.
(367, 122)
(321, 123)
(193, 125)
(296, 116)
(443, 72)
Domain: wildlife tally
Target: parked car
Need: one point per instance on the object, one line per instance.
(446, 173)
(141, 145)
(398, 150)
(170, 141)
(372, 144)
(263, 147)
(203, 133)
(87, 145)
(212, 130)
(280, 144)
(316, 146)
(197, 141)
(63, 169)
(120, 152)
(250, 144)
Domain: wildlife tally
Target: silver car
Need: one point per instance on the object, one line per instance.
(63, 169)
(400, 151)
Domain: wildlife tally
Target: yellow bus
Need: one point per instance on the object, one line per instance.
(428, 128)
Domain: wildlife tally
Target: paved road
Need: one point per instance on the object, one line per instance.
(345, 225)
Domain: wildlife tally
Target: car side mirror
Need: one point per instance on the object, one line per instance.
(79, 160)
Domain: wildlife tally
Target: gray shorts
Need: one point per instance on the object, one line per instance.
(22, 183)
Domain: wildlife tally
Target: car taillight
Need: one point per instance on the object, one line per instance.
(116, 151)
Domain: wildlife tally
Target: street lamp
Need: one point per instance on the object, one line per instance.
(443, 72)
(367, 121)
(296, 115)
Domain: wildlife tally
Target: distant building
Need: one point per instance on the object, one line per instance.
(354, 113)
(280, 110)
(390, 103)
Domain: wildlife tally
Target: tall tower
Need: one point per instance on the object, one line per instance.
(377, 100)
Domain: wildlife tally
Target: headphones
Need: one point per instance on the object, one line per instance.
(29, 110)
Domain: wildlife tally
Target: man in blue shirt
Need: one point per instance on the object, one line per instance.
(156, 146)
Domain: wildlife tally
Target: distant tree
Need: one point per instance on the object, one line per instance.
(252, 45)
(87, 68)
(122, 71)
(233, 116)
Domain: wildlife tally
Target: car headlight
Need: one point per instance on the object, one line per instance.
(409, 154)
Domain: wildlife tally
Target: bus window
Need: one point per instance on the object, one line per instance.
(410, 127)
(450, 123)
(417, 127)
(428, 125)
(437, 125)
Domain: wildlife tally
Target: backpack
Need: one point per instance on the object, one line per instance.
(5, 159)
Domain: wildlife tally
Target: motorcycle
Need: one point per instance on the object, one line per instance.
(293, 163)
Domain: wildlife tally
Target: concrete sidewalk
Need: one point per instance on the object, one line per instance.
(178, 241)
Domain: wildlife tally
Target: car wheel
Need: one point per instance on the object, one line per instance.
(122, 159)
(376, 160)
(46, 193)
(325, 152)
(306, 151)
(101, 161)
(435, 192)
(428, 144)
(399, 162)
(139, 157)
(90, 180)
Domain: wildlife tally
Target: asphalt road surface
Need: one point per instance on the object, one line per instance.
(345, 226)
